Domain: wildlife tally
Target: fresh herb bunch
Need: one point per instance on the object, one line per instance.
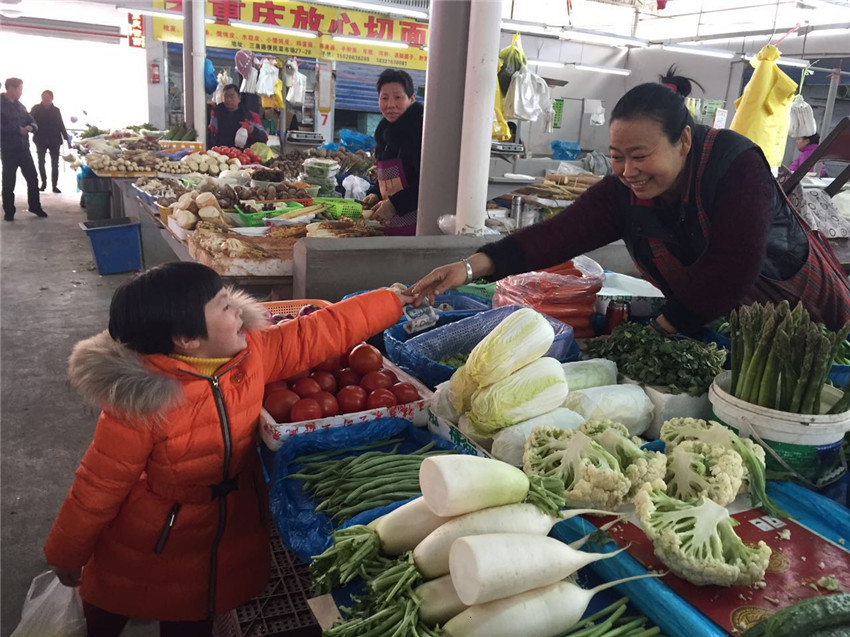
(781, 358)
(680, 366)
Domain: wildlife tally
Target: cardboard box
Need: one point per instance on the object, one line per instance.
(274, 434)
(446, 430)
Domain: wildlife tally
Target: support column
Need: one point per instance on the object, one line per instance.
(485, 19)
(199, 56)
(444, 81)
(188, 72)
(826, 122)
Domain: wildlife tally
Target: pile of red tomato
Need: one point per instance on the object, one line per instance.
(344, 384)
(245, 156)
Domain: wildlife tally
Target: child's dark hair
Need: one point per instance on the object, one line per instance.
(167, 301)
(664, 103)
(814, 138)
(394, 76)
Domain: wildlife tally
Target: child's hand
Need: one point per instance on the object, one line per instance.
(69, 577)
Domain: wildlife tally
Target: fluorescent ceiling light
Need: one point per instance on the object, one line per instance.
(350, 40)
(533, 29)
(548, 63)
(256, 26)
(613, 70)
(815, 31)
(380, 8)
(699, 50)
(596, 37)
(159, 13)
(783, 61)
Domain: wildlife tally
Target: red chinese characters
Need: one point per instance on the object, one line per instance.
(306, 19)
(413, 32)
(225, 10)
(269, 13)
(379, 28)
(339, 25)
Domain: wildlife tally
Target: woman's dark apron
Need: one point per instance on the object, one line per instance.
(391, 179)
(820, 283)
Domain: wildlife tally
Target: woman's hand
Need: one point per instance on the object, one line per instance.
(370, 200)
(451, 276)
(384, 211)
(69, 577)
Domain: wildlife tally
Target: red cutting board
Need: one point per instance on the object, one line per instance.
(795, 565)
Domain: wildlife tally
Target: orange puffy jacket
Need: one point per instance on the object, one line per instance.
(168, 511)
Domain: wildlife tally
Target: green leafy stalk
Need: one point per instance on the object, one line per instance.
(820, 368)
(737, 340)
(546, 493)
(756, 368)
(805, 371)
(770, 378)
(748, 330)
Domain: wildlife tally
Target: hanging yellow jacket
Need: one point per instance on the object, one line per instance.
(762, 112)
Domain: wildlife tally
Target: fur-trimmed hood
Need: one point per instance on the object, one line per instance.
(109, 374)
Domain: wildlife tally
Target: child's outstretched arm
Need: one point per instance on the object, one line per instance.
(304, 342)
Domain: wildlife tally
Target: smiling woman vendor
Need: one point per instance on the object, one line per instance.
(699, 211)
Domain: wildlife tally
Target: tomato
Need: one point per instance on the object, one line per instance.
(331, 365)
(305, 409)
(351, 398)
(365, 358)
(347, 376)
(391, 375)
(375, 380)
(326, 381)
(303, 374)
(328, 403)
(275, 386)
(279, 403)
(381, 398)
(404, 393)
(306, 387)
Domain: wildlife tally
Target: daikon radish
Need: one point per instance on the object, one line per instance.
(403, 528)
(498, 565)
(439, 601)
(542, 612)
(431, 555)
(458, 483)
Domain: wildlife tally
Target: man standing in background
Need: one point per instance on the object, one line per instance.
(16, 124)
(49, 136)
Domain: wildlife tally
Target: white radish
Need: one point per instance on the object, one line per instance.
(458, 483)
(439, 601)
(498, 565)
(431, 555)
(402, 529)
(542, 612)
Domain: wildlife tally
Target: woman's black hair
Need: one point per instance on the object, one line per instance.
(150, 310)
(393, 76)
(664, 103)
(814, 138)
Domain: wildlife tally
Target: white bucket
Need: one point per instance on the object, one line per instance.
(809, 444)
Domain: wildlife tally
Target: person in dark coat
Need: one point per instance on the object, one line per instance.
(49, 136)
(231, 115)
(398, 151)
(15, 126)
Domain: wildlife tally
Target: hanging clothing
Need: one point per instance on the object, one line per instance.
(732, 239)
(762, 112)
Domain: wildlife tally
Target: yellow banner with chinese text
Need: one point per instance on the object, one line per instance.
(380, 31)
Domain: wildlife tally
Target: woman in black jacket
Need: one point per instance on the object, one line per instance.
(398, 151)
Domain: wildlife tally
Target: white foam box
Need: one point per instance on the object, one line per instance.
(644, 298)
(274, 434)
(669, 406)
(448, 431)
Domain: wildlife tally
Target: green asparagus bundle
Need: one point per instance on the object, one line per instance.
(780, 357)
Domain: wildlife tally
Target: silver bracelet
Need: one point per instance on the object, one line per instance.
(469, 275)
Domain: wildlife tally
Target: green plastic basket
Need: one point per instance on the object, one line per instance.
(253, 219)
(339, 207)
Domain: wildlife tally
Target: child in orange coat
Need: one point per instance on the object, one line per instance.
(167, 516)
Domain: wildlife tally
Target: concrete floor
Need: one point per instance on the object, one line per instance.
(51, 296)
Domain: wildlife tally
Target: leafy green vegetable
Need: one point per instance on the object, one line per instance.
(643, 355)
(453, 360)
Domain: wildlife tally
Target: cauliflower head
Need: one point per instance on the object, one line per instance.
(640, 467)
(678, 430)
(698, 469)
(696, 540)
(592, 477)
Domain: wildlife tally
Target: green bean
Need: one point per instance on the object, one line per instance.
(322, 455)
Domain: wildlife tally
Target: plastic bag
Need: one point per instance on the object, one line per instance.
(210, 79)
(353, 141)
(802, 119)
(526, 96)
(626, 404)
(508, 444)
(355, 187)
(512, 59)
(268, 75)
(595, 372)
(500, 129)
(565, 150)
(51, 609)
(596, 163)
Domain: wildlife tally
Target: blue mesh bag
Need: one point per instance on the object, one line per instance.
(418, 355)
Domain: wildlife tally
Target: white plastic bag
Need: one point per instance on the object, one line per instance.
(802, 119)
(355, 187)
(626, 404)
(527, 96)
(268, 76)
(51, 609)
(509, 443)
(594, 372)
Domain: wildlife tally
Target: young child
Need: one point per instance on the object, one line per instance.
(167, 516)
